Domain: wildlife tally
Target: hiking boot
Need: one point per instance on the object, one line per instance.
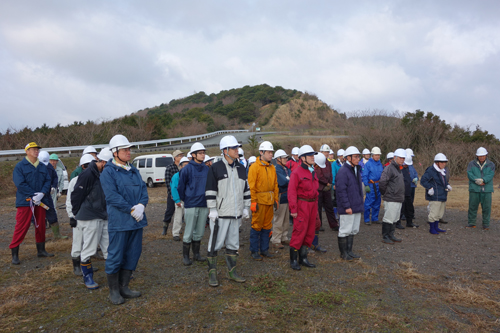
(470, 226)
(256, 256)
(266, 254)
(176, 238)
(486, 227)
(278, 246)
(443, 221)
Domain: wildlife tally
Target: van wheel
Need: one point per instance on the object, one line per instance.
(150, 183)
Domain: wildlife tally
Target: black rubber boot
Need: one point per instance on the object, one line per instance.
(293, 259)
(114, 289)
(399, 225)
(303, 257)
(386, 230)
(124, 281)
(196, 251)
(231, 266)
(185, 253)
(391, 234)
(212, 271)
(40, 247)
(350, 240)
(343, 248)
(165, 228)
(410, 224)
(15, 256)
(77, 270)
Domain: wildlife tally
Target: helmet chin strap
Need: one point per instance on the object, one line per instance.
(196, 158)
(305, 162)
(118, 158)
(226, 154)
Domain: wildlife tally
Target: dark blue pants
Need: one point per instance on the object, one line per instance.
(124, 250)
(51, 214)
(259, 239)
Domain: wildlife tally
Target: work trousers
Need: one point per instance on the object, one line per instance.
(94, 232)
(176, 228)
(325, 201)
(408, 210)
(196, 219)
(392, 212)
(228, 234)
(349, 224)
(124, 251)
(51, 213)
(436, 210)
(23, 220)
(170, 209)
(304, 224)
(372, 203)
(76, 245)
(263, 217)
(483, 198)
(280, 224)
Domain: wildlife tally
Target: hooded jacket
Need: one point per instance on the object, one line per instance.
(433, 179)
(30, 180)
(192, 182)
(486, 171)
(87, 199)
(349, 189)
(263, 183)
(392, 184)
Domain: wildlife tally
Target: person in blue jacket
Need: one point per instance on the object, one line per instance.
(179, 206)
(191, 188)
(126, 198)
(280, 227)
(371, 175)
(336, 165)
(32, 181)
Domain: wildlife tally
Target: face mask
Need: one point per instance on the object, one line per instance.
(311, 169)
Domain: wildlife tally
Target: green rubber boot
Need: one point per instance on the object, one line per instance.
(231, 266)
(55, 230)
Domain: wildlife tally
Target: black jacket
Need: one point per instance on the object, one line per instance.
(87, 198)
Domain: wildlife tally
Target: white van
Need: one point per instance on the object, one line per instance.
(152, 167)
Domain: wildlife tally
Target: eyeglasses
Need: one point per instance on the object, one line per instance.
(356, 156)
(235, 147)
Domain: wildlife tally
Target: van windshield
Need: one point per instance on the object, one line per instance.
(164, 161)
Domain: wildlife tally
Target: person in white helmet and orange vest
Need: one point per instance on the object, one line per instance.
(294, 161)
(264, 191)
(325, 179)
(480, 172)
(371, 175)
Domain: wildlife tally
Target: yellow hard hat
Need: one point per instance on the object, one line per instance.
(31, 145)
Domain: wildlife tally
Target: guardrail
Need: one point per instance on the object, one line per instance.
(138, 144)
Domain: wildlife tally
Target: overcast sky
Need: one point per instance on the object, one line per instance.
(66, 61)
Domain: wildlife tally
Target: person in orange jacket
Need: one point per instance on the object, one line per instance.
(263, 183)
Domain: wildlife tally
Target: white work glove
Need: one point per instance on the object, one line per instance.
(479, 181)
(246, 214)
(179, 204)
(431, 191)
(138, 212)
(213, 214)
(52, 190)
(287, 178)
(448, 188)
(415, 180)
(37, 198)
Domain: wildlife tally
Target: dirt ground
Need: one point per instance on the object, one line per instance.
(444, 283)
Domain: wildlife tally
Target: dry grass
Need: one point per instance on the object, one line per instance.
(407, 272)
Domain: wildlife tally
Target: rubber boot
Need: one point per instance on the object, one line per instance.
(293, 259)
(391, 234)
(88, 275)
(55, 231)
(432, 229)
(15, 256)
(114, 289)
(212, 271)
(40, 247)
(399, 225)
(343, 248)
(350, 240)
(196, 251)
(185, 253)
(303, 257)
(436, 227)
(165, 228)
(231, 266)
(386, 229)
(124, 279)
(77, 270)
(410, 224)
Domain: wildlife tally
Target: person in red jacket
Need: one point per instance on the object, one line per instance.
(303, 204)
(294, 161)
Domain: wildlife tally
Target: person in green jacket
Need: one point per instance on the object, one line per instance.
(480, 172)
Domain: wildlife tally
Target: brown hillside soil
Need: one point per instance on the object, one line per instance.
(432, 283)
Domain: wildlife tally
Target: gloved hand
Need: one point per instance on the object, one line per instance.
(246, 214)
(72, 222)
(213, 215)
(52, 190)
(59, 194)
(137, 212)
(479, 181)
(448, 188)
(179, 204)
(37, 198)
(415, 180)
(431, 191)
(367, 189)
(254, 207)
(287, 178)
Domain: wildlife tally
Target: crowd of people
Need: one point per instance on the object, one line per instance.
(107, 198)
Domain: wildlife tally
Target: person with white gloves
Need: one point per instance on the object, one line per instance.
(179, 205)
(480, 172)
(228, 199)
(126, 197)
(435, 182)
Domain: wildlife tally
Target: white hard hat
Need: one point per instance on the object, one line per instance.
(117, 142)
(306, 150)
(241, 152)
(340, 152)
(43, 156)
(376, 151)
(90, 149)
(87, 158)
(480, 152)
(184, 159)
(390, 155)
(409, 151)
(324, 147)
(400, 152)
(252, 159)
(228, 141)
(440, 157)
(295, 150)
(331, 152)
(266, 146)
(280, 153)
(320, 160)
(105, 154)
(408, 159)
(196, 147)
(351, 151)
(208, 159)
(366, 151)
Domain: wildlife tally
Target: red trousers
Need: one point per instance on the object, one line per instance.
(304, 224)
(23, 220)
